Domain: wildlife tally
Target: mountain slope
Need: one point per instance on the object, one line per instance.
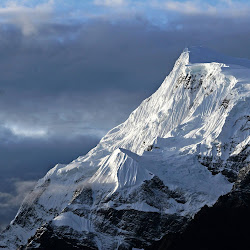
(181, 149)
(222, 226)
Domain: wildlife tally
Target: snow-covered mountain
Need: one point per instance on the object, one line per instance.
(180, 150)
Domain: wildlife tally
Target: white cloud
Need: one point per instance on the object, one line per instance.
(28, 19)
(9, 200)
(186, 7)
(110, 3)
(26, 131)
(197, 7)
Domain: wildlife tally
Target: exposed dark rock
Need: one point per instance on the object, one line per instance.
(49, 238)
(149, 148)
(153, 192)
(231, 167)
(137, 228)
(225, 103)
(223, 226)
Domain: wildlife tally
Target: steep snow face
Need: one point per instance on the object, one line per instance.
(121, 170)
(179, 150)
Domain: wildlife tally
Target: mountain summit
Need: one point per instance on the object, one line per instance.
(182, 149)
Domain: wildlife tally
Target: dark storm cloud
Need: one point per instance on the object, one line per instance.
(68, 77)
(30, 158)
(12, 198)
(25, 160)
(64, 86)
(99, 56)
(103, 56)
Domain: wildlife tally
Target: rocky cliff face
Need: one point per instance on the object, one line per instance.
(225, 225)
(181, 156)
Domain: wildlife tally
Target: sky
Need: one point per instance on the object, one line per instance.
(72, 70)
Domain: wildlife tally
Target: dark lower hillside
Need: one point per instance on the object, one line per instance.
(50, 240)
(226, 225)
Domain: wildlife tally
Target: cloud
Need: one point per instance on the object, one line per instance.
(67, 115)
(11, 201)
(22, 188)
(110, 3)
(25, 160)
(25, 131)
(226, 8)
(154, 10)
(28, 19)
(69, 87)
(188, 7)
(34, 18)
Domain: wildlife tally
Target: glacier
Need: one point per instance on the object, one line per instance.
(180, 150)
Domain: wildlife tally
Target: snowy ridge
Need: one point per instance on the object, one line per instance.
(174, 154)
(121, 170)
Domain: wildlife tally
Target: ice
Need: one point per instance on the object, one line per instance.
(72, 220)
